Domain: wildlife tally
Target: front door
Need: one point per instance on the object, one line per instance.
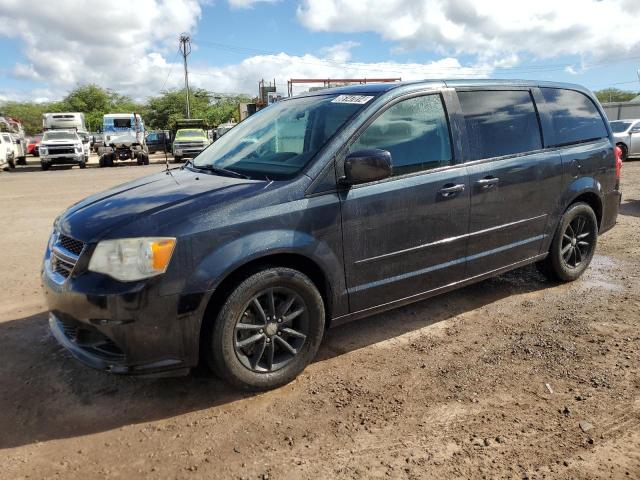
(407, 234)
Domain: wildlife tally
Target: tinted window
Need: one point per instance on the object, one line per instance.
(414, 131)
(500, 123)
(152, 137)
(574, 117)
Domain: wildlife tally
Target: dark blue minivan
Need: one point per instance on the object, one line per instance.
(324, 208)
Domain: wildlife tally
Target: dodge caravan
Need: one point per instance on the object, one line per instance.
(325, 208)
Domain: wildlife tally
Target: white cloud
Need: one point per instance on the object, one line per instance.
(248, 3)
(244, 76)
(119, 45)
(488, 28)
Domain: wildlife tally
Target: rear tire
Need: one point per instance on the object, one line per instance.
(21, 161)
(12, 164)
(267, 331)
(82, 164)
(573, 245)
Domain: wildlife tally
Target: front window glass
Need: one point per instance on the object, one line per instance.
(280, 140)
(414, 131)
(190, 133)
(619, 127)
(60, 136)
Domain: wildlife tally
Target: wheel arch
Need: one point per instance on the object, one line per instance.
(293, 260)
(593, 200)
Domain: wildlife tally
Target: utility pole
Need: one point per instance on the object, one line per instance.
(185, 42)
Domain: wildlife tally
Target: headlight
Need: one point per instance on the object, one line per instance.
(78, 148)
(130, 259)
(43, 150)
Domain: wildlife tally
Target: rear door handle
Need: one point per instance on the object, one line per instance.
(488, 182)
(450, 190)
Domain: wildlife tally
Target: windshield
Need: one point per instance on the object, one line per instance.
(619, 127)
(190, 133)
(280, 140)
(60, 136)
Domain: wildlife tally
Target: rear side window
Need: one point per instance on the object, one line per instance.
(416, 133)
(500, 123)
(574, 117)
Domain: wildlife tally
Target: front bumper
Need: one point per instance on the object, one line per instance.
(63, 158)
(124, 328)
(187, 152)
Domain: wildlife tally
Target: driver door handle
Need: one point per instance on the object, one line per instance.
(488, 182)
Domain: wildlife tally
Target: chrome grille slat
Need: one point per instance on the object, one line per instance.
(64, 255)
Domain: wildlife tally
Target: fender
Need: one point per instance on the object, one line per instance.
(228, 257)
(578, 186)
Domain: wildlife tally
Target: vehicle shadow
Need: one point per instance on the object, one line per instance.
(630, 208)
(48, 395)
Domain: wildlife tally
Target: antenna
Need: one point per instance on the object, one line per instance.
(185, 42)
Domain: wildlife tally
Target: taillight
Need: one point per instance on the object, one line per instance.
(618, 151)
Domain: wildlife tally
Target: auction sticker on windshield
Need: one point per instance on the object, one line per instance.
(358, 99)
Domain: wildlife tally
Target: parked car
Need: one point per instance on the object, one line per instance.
(159, 141)
(325, 208)
(62, 147)
(7, 156)
(33, 145)
(626, 134)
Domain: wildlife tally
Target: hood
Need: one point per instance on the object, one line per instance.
(145, 200)
(191, 138)
(61, 141)
(123, 140)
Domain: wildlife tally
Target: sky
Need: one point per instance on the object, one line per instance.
(50, 47)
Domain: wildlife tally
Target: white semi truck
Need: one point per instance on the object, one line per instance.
(70, 121)
(124, 139)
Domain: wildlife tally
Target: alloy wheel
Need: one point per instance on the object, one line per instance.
(272, 330)
(577, 241)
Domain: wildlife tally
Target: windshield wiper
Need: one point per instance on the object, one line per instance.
(218, 170)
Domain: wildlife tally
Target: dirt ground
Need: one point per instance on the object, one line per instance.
(514, 377)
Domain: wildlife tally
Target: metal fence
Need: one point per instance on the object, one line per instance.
(621, 110)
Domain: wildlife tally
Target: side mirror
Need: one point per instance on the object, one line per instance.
(366, 166)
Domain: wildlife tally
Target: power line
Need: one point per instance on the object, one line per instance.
(425, 69)
(170, 68)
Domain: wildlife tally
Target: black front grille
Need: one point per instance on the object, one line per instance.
(90, 339)
(70, 244)
(61, 266)
(62, 149)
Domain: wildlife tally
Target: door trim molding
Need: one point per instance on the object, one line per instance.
(448, 240)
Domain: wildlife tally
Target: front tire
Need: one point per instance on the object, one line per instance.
(573, 245)
(45, 166)
(268, 330)
(177, 159)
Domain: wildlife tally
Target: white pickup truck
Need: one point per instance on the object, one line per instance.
(62, 147)
(69, 121)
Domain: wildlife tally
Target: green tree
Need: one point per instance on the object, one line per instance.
(614, 95)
